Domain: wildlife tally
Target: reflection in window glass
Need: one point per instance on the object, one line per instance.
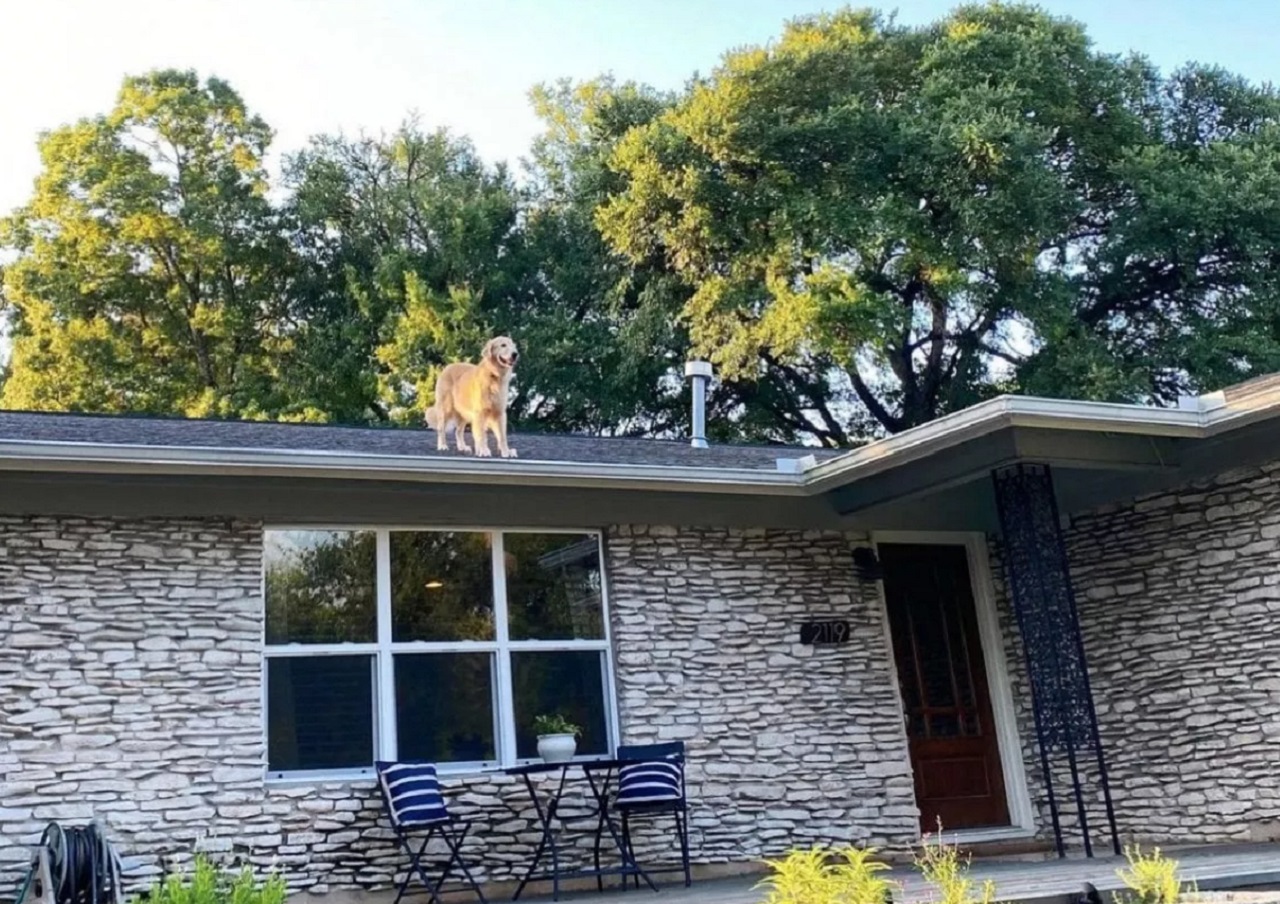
(442, 691)
(441, 586)
(554, 586)
(444, 707)
(320, 586)
(319, 712)
(561, 681)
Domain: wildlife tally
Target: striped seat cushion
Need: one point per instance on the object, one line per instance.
(649, 782)
(413, 793)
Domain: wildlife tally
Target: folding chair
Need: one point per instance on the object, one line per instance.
(413, 800)
(651, 783)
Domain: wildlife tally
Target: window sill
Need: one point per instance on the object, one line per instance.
(368, 776)
(296, 779)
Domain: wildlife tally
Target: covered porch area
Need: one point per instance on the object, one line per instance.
(1082, 626)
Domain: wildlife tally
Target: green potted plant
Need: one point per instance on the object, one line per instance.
(557, 737)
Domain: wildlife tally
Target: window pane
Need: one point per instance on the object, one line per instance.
(570, 683)
(320, 586)
(553, 586)
(444, 707)
(319, 712)
(441, 586)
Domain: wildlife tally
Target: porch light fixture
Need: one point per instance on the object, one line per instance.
(867, 565)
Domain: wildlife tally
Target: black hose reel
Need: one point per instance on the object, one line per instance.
(72, 866)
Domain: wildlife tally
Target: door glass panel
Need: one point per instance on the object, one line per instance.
(944, 725)
(934, 655)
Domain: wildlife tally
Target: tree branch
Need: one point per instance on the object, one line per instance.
(874, 405)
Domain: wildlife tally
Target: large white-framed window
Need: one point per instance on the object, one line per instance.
(435, 644)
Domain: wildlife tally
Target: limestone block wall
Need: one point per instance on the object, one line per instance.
(1179, 601)
(787, 744)
(131, 691)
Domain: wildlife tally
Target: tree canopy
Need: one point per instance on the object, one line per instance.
(150, 274)
(932, 215)
(864, 225)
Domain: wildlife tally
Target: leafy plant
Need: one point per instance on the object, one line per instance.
(1153, 878)
(554, 723)
(942, 868)
(209, 885)
(822, 876)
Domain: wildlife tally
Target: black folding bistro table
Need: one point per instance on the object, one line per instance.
(599, 778)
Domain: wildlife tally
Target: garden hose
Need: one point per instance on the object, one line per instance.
(84, 868)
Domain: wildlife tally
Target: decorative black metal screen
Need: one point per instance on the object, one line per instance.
(1039, 582)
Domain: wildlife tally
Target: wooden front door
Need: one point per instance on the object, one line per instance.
(951, 735)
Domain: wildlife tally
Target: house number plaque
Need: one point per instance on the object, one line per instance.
(835, 631)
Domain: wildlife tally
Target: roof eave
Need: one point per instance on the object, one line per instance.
(1206, 419)
(1206, 416)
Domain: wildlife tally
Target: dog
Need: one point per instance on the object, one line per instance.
(475, 395)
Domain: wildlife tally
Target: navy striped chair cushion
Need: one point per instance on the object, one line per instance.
(648, 782)
(413, 793)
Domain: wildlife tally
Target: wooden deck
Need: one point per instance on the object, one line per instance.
(1210, 868)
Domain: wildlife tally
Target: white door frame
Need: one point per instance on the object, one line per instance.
(1018, 798)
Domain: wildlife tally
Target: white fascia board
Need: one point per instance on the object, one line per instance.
(216, 461)
(1001, 413)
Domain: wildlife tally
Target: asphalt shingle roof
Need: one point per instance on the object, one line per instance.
(130, 430)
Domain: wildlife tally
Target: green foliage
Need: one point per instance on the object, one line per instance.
(1152, 878)
(926, 216)
(206, 884)
(413, 244)
(822, 876)
(943, 870)
(554, 723)
(149, 271)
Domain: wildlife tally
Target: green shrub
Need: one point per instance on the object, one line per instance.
(822, 876)
(209, 885)
(942, 869)
(1152, 879)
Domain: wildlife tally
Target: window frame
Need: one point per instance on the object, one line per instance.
(383, 651)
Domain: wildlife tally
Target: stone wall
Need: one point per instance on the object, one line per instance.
(130, 688)
(787, 744)
(130, 691)
(1179, 600)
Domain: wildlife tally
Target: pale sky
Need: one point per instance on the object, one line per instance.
(311, 66)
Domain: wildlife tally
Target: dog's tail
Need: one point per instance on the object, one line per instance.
(433, 417)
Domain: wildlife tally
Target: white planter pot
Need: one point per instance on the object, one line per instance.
(557, 748)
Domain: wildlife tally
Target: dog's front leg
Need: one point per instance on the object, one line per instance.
(480, 435)
(501, 431)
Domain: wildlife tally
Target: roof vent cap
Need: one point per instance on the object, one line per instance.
(700, 372)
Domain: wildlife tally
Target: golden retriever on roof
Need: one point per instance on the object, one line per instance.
(475, 395)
